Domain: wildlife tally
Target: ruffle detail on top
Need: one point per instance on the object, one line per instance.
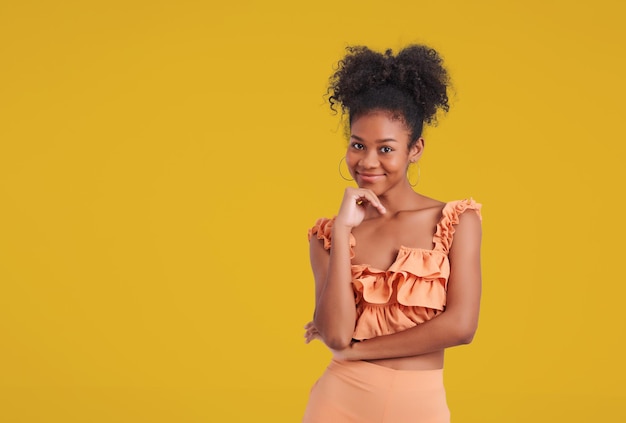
(419, 277)
(410, 292)
(323, 230)
(449, 218)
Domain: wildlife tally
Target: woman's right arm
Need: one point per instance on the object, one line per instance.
(335, 310)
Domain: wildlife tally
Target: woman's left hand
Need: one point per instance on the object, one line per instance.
(311, 333)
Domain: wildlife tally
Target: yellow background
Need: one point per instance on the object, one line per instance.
(161, 161)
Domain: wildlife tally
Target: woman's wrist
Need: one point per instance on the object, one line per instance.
(340, 230)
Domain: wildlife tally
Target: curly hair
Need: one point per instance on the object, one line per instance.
(412, 85)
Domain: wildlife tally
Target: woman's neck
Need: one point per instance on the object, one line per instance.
(397, 200)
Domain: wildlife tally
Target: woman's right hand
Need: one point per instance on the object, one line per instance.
(354, 204)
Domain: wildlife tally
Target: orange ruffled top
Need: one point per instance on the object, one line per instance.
(413, 289)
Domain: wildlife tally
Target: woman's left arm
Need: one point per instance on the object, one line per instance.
(457, 324)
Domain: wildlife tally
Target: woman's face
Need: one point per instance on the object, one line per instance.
(378, 154)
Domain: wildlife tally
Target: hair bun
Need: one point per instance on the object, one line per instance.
(417, 72)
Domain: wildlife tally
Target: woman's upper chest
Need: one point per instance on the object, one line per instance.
(379, 240)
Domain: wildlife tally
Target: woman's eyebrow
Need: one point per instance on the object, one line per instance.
(356, 137)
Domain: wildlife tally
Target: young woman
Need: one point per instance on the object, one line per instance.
(397, 274)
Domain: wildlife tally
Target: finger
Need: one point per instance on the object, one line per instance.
(312, 337)
(366, 197)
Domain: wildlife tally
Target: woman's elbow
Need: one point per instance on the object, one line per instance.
(466, 338)
(333, 338)
(465, 332)
(337, 343)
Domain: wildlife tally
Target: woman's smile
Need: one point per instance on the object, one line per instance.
(369, 178)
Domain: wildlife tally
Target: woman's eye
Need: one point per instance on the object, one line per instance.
(386, 149)
(357, 146)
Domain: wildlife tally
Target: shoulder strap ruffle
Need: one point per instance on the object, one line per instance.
(449, 218)
(322, 230)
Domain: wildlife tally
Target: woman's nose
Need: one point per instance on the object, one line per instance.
(369, 160)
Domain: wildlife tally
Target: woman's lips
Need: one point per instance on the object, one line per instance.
(370, 177)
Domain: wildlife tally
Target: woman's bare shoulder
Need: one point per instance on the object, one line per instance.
(430, 203)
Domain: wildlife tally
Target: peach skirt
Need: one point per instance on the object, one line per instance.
(362, 392)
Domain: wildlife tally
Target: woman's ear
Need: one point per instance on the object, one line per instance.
(416, 150)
